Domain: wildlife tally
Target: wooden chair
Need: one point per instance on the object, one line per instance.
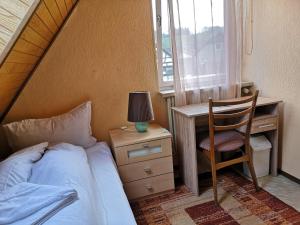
(225, 138)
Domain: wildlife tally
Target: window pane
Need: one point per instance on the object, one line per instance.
(209, 37)
(167, 58)
(199, 29)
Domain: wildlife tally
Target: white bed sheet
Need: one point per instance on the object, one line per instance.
(109, 186)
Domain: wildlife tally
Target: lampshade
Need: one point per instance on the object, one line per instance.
(140, 107)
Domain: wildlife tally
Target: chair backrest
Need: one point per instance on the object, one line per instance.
(241, 117)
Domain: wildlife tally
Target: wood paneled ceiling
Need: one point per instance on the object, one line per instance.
(32, 26)
(14, 14)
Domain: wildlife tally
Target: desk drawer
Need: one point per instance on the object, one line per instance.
(150, 168)
(262, 124)
(149, 186)
(143, 151)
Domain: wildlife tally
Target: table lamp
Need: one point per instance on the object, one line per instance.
(140, 110)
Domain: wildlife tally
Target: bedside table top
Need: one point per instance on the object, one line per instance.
(130, 136)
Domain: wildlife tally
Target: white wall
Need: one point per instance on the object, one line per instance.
(274, 67)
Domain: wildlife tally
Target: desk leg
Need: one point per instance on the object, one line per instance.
(186, 147)
(275, 143)
(273, 136)
(274, 153)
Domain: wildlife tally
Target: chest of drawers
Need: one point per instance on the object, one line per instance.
(144, 160)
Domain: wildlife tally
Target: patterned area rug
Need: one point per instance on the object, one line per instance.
(239, 204)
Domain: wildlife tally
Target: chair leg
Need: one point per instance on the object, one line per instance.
(214, 179)
(252, 171)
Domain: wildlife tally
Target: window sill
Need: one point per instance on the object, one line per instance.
(170, 92)
(167, 93)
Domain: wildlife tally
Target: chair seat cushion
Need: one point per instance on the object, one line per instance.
(224, 141)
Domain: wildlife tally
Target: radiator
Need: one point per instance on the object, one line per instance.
(170, 100)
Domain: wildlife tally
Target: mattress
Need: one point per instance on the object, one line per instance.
(109, 186)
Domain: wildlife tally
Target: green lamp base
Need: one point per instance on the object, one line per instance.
(141, 126)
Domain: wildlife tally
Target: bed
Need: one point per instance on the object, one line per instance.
(90, 172)
(61, 175)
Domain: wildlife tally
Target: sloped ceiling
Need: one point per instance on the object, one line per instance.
(27, 29)
(13, 16)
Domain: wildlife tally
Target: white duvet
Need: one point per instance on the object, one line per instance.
(70, 186)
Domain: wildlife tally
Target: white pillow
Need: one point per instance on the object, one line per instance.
(17, 168)
(72, 127)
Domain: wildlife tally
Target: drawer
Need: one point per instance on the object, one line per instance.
(145, 169)
(143, 151)
(264, 123)
(152, 185)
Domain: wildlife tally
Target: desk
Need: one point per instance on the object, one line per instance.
(189, 116)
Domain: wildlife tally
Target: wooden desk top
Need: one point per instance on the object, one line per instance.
(202, 109)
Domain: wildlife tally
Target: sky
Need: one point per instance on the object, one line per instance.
(202, 13)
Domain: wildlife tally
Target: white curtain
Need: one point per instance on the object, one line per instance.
(206, 40)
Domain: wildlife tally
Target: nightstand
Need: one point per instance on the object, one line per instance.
(144, 160)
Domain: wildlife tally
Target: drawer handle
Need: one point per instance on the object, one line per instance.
(148, 170)
(146, 146)
(149, 187)
(267, 125)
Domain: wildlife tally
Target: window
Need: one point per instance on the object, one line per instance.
(200, 25)
(163, 43)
